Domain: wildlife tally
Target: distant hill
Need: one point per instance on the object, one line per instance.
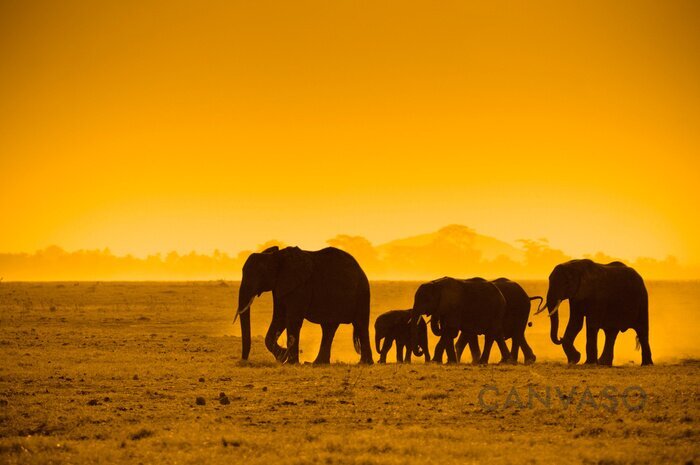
(461, 237)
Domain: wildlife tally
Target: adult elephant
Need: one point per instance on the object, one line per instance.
(474, 306)
(515, 319)
(610, 297)
(326, 287)
(394, 326)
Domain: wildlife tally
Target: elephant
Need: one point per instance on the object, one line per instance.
(474, 306)
(394, 325)
(514, 323)
(611, 297)
(326, 287)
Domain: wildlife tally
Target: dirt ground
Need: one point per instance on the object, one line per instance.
(143, 373)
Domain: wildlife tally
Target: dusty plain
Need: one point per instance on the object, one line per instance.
(151, 372)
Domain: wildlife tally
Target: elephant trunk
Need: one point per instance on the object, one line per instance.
(420, 343)
(553, 308)
(426, 350)
(554, 330)
(377, 340)
(245, 300)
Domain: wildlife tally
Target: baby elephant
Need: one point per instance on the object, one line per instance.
(394, 326)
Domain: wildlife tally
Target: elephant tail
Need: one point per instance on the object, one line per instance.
(637, 345)
(539, 306)
(356, 341)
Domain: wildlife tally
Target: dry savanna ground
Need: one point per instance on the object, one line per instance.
(148, 372)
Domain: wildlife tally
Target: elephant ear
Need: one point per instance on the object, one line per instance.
(429, 297)
(295, 269)
(588, 273)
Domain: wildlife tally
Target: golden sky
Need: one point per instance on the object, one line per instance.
(150, 126)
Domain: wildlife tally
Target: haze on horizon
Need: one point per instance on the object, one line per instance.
(150, 126)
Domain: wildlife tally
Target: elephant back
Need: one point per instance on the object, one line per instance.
(392, 318)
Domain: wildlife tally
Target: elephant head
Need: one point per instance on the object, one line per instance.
(573, 279)
(425, 302)
(280, 271)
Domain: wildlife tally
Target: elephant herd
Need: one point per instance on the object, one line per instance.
(328, 287)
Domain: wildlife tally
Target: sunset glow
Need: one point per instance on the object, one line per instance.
(159, 127)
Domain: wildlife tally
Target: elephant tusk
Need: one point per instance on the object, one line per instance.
(544, 307)
(556, 308)
(245, 309)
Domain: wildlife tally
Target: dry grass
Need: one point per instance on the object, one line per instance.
(111, 373)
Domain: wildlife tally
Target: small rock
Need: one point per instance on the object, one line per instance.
(222, 394)
(264, 388)
(201, 380)
(135, 378)
(107, 399)
(224, 400)
(200, 401)
(93, 402)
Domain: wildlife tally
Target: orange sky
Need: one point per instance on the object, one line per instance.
(151, 126)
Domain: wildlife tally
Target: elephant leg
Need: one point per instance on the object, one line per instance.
(277, 326)
(484, 360)
(293, 330)
(608, 349)
(643, 336)
(572, 329)
(515, 348)
(328, 333)
(407, 357)
(361, 329)
(462, 342)
(591, 343)
(399, 351)
(386, 347)
(505, 353)
(437, 353)
(449, 346)
(527, 352)
(474, 348)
